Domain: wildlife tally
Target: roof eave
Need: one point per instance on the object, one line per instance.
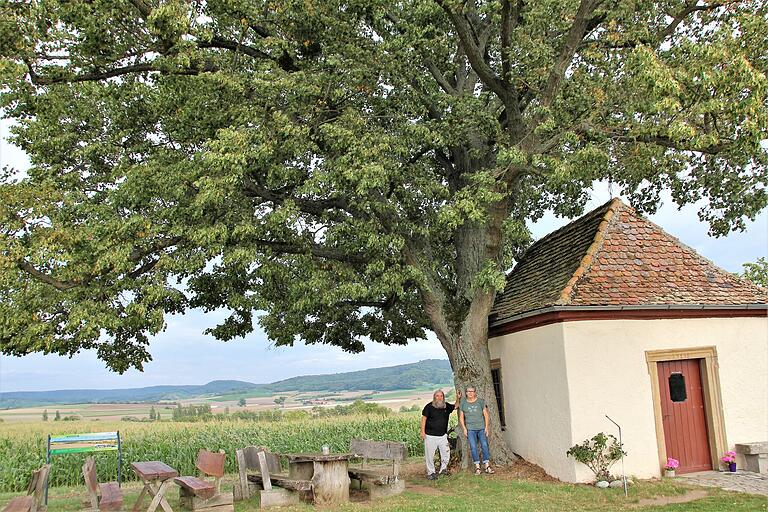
(646, 307)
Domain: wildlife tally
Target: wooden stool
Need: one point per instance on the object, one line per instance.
(201, 495)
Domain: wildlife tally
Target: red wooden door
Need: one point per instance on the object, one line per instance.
(682, 410)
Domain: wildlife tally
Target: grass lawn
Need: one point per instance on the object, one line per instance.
(504, 491)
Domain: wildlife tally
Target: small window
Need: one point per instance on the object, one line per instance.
(497, 387)
(677, 387)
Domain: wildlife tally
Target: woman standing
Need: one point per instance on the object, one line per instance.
(474, 419)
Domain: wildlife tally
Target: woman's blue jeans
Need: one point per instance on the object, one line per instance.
(475, 437)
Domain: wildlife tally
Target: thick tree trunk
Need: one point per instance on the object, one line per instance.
(471, 363)
(459, 311)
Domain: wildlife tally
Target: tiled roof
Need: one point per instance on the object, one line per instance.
(614, 257)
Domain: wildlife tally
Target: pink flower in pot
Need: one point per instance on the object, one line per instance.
(730, 459)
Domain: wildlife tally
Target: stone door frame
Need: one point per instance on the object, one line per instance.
(713, 403)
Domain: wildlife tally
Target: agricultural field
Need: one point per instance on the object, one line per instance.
(221, 404)
(94, 412)
(23, 445)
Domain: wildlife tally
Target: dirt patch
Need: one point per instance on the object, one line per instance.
(520, 470)
(523, 470)
(423, 489)
(668, 500)
(358, 496)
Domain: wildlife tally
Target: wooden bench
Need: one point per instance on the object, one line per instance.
(201, 495)
(755, 456)
(259, 471)
(106, 496)
(33, 501)
(383, 479)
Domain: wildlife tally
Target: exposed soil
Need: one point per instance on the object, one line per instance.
(667, 500)
(423, 489)
(520, 470)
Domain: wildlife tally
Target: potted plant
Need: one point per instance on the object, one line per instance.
(730, 459)
(671, 466)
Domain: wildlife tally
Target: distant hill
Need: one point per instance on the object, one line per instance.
(427, 373)
(16, 399)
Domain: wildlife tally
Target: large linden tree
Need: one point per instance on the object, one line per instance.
(339, 171)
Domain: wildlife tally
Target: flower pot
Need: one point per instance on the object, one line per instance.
(732, 467)
(670, 473)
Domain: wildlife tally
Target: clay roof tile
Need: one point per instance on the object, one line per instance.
(599, 259)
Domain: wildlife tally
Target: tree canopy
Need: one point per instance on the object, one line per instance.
(757, 272)
(351, 169)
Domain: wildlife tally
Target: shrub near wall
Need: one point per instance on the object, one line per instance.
(23, 446)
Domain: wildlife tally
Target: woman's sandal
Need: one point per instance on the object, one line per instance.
(489, 470)
(478, 471)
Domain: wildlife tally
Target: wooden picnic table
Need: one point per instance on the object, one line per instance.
(328, 474)
(157, 477)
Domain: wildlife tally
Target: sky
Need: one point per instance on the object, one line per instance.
(182, 354)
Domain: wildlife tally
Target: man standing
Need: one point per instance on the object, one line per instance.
(434, 431)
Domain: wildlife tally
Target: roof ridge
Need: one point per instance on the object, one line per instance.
(597, 242)
(559, 230)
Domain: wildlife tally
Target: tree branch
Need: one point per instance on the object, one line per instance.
(89, 77)
(317, 207)
(476, 56)
(659, 38)
(666, 142)
(313, 250)
(582, 25)
(226, 44)
(443, 82)
(506, 33)
(143, 7)
(45, 278)
(136, 256)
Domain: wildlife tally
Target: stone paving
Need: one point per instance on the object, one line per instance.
(741, 481)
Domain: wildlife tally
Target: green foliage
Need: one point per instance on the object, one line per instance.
(356, 408)
(338, 166)
(200, 412)
(757, 272)
(57, 417)
(241, 402)
(45, 415)
(598, 454)
(135, 419)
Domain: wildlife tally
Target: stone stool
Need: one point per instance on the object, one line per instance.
(756, 456)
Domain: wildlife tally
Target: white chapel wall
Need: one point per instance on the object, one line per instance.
(536, 396)
(608, 374)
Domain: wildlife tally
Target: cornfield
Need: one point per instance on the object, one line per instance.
(23, 446)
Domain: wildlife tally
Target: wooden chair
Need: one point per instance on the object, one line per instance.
(259, 471)
(33, 501)
(106, 496)
(384, 479)
(199, 494)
